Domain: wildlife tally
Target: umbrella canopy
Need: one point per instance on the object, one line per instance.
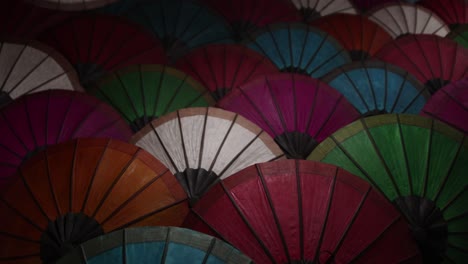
(420, 165)
(294, 211)
(202, 145)
(313, 9)
(297, 111)
(142, 93)
(361, 37)
(460, 35)
(71, 5)
(365, 5)
(299, 48)
(155, 245)
(246, 16)
(34, 121)
(96, 44)
(72, 192)
(28, 67)
(453, 12)
(402, 19)
(450, 105)
(221, 67)
(375, 87)
(433, 60)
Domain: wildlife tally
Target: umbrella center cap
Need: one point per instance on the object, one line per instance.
(220, 93)
(88, 73)
(65, 233)
(296, 145)
(4, 99)
(196, 182)
(295, 69)
(141, 122)
(309, 14)
(435, 84)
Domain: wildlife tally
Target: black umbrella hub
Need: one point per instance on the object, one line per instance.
(359, 55)
(4, 99)
(433, 85)
(296, 145)
(220, 93)
(89, 72)
(309, 14)
(294, 69)
(141, 122)
(196, 182)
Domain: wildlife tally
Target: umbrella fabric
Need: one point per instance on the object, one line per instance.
(402, 19)
(28, 67)
(375, 87)
(96, 44)
(419, 164)
(433, 60)
(313, 9)
(45, 118)
(72, 192)
(365, 5)
(71, 5)
(155, 245)
(361, 37)
(246, 16)
(202, 145)
(221, 67)
(460, 35)
(182, 25)
(297, 111)
(450, 105)
(294, 211)
(142, 93)
(453, 12)
(299, 48)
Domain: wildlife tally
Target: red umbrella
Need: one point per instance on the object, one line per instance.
(362, 37)
(453, 12)
(221, 67)
(297, 111)
(96, 44)
(450, 105)
(304, 212)
(50, 117)
(71, 4)
(435, 61)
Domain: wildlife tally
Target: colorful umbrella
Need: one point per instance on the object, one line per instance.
(361, 37)
(460, 35)
(78, 190)
(297, 111)
(300, 48)
(313, 9)
(453, 12)
(142, 93)
(402, 19)
(221, 67)
(96, 44)
(71, 5)
(450, 105)
(435, 61)
(27, 67)
(181, 24)
(246, 16)
(294, 211)
(365, 5)
(34, 121)
(375, 87)
(418, 163)
(202, 145)
(155, 245)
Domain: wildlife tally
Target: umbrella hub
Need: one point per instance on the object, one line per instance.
(174, 47)
(241, 30)
(427, 224)
(4, 99)
(295, 69)
(220, 93)
(141, 122)
(375, 112)
(65, 233)
(309, 14)
(435, 84)
(196, 182)
(296, 145)
(88, 73)
(34, 152)
(358, 55)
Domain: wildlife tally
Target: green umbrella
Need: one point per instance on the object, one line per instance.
(418, 163)
(142, 93)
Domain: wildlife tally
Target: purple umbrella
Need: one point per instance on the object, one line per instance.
(50, 117)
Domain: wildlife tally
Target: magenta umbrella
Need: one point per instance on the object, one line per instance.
(35, 121)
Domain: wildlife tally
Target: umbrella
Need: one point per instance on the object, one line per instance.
(246, 16)
(294, 211)
(45, 118)
(435, 61)
(28, 67)
(297, 111)
(202, 145)
(453, 12)
(419, 164)
(401, 19)
(361, 37)
(155, 245)
(375, 87)
(71, 5)
(460, 35)
(96, 44)
(313, 9)
(450, 105)
(365, 5)
(221, 67)
(182, 25)
(299, 48)
(72, 192)
(142, 93)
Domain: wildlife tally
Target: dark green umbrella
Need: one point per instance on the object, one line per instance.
(421, 165)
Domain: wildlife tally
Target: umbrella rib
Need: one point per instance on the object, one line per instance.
(166, 246)
(91, 32)
(17, 212)
(453, 199)
(300, 206)
(159, 85)
(458, 217)
(330, 59)
(454, 99)
(199, 217)
(20, 257)
(176, 92)
(337, 102)
(371, 86)
(72, 175)
(209, 250)
(310, 115)
(277, 48)
(207, 57)
(195, 34)
(124, 88)
(426, 168)
(39, 85)
(10, 71)
(420, 93)
(81, 123)
(182, 141)
(142, 90)
(12, 152)
(49, 179)
(124, 246)
(233, 121)
(275, 103)
(355, 88)
(405, 154)
(237, 70)
(28, 120)
(311, 59)
(67, 111)
(435, 116)
(107, 38)
(202, 140)
(164, 148)
(18, 237)
(28, 188)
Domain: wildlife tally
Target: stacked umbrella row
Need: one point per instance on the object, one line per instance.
(292, 130)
